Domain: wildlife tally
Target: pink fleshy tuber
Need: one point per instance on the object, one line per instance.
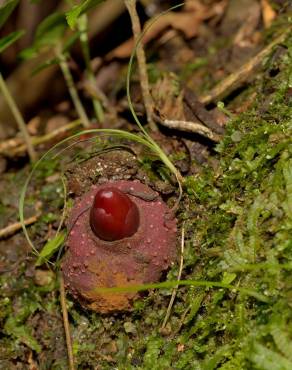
(135, 257)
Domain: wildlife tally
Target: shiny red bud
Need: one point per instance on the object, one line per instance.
(113, 215)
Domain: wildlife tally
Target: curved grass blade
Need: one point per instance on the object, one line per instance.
(8, 40)
(50, 248)
(106, 132)
(6, 9)
(173, 284)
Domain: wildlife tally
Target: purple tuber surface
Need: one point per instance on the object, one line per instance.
(132, 258)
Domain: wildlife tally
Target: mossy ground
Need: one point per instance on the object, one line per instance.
(238, 222)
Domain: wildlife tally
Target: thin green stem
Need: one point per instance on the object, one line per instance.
(18, 118)
(82, 27)
(72, 89)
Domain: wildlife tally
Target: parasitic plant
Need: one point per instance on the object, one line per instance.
(121, 234)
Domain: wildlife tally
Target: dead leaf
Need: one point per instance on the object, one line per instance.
(180, 347)
(55, 122)
(187, 21)
(43, 277)
(244, 36)
(33, 125)
(268, 13)
(168, 102)
(32, 365)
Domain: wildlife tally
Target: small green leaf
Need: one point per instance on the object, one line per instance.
(8, 40)
(228, 277)
(287, 172)
(51, 28)
(50, 248)
(48, 33)
(267, 359)
(6, 9)
(73, 14)
(32, 52)
(282, 340)
(28, 53)
(17, 326)
(23, 334)
(44, 65)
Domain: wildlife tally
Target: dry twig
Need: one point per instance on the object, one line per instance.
(16, 145)
(178, 277)
(66, 323)
(18, 118)
(236, 79)
(268, 13)
(131, 6)
(72, 89)
(13, 228)
(194, 127)
(213, 119)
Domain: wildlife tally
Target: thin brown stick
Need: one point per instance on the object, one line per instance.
(16, 145)
(194, 127)
(18, 118)
(66, 323)
(7, 145)
(178, 277)
(236, 79)
(95, 93)
(82, 24)
(13, 228)
(136, 26)
(72, 89)
(195, 111)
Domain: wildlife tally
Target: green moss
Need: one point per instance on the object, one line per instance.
(244, 215)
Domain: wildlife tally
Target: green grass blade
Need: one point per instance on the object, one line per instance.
(8, 40)
(6, 9)
(50, 248)
(85, 5)
(173, 284)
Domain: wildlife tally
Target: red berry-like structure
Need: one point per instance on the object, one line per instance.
(121, 234)
(113, 215)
